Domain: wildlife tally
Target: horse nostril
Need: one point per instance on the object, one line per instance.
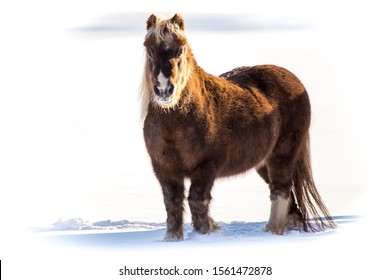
(170, 89)
(167, 91)
(156, 90)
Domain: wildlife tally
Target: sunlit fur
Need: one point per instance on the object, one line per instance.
(210, 127)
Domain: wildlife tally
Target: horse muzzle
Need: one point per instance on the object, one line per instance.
(164, 94)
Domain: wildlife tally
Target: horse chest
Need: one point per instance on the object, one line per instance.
(173, 147)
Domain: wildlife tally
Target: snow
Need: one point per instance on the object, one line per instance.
(101, 253)
(79, 224)
(78, 197)
(78, 232)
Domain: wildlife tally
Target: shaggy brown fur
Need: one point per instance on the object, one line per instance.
(203, 127)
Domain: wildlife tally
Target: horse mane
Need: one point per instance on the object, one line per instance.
(145, 90)
(159, 26)
(157, 29)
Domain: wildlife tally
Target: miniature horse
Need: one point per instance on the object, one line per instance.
(203, 127)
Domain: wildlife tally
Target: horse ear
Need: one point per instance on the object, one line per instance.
(151, 21)
(178, 19)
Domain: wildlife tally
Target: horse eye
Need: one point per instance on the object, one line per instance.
(149, 51)
(179, 51)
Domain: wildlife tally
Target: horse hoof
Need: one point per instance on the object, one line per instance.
(214, 227)
(274, 229)
(207, 228)
(294, 222)
(173, 236)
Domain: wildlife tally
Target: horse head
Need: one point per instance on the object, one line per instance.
(166, 65)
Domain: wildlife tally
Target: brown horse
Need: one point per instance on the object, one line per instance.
(203, 127)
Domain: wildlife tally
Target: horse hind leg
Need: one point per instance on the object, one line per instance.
(278, 172)
(285, 213)
(279, 203)
(295, 217)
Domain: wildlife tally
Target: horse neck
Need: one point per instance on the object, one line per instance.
(197, 75)
(201, 82)
(197, 99)
(195, 95)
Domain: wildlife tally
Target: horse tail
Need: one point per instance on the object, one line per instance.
(306, 194)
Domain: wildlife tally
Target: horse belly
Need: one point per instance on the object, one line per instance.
(247, 149)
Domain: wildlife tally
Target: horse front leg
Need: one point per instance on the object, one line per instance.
(174, 206)
(173, 191)
(199, 198)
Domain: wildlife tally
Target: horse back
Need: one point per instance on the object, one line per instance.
(275, 82)
(282, 88)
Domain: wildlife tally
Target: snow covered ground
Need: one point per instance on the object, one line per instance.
(100, 254)
(78, 197)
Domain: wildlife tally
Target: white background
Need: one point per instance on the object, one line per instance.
(71, 143)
